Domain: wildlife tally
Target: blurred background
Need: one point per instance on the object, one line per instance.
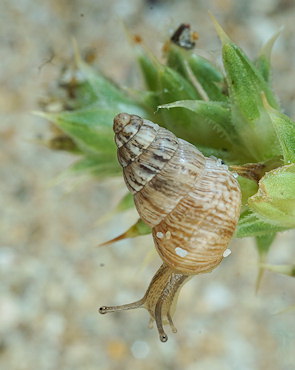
(53, 278)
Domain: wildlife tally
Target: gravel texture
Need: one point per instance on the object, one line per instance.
(53, 278)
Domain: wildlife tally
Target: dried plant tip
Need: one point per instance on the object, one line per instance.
(137, 39)
(62, 142)
(183, 37)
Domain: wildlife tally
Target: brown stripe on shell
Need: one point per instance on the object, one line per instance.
(138, 143)
(120, 121)
(139, 172)
(126, 131)
(162, 193)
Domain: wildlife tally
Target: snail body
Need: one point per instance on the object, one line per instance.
(191, 202)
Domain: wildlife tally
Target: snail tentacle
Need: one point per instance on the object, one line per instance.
(159, 299)
(123, 307)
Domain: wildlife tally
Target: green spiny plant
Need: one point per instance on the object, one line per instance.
(231, 114)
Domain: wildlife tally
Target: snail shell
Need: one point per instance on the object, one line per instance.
(191, 202)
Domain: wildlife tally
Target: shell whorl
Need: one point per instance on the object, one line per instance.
(191, 202)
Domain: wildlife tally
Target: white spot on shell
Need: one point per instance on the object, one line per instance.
(180, 252)
(235, 175)
(168, 234)
(226, 253)
(159, 235)
(219, 162)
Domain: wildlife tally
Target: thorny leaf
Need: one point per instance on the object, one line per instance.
(275, 200)
(285, 130)
(262, 63)
(137, 229)
(263, 244)
(250, 225)
(212, 116)
(280, 269)
(196, 68)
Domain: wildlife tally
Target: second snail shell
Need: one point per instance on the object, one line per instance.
(191, 202)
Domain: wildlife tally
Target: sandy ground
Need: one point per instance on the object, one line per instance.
(53, 278)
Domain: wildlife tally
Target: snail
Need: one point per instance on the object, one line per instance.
(191, 202)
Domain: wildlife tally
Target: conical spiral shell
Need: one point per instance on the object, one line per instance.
(191, 202)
